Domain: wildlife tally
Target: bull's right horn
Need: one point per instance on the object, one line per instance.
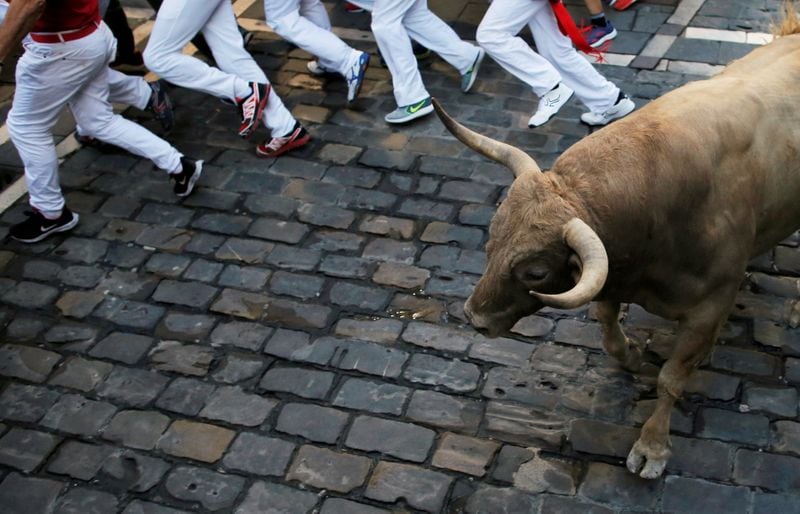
(594, 267)
(513, 158)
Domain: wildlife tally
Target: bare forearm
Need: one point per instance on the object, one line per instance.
(20, 18)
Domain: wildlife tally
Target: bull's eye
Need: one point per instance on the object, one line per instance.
(532, 273)
(535, 275)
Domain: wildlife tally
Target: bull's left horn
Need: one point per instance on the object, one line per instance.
(594, 263)
(513, 158)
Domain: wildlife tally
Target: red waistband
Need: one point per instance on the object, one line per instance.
(63, 37)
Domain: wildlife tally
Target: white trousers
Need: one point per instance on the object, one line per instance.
(177, 22)
(557, 59)
(305, 23)
(125, 89)
(393, 23)
(75, 73)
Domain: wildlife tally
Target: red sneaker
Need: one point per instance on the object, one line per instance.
(280, 145)
(621, 5)
(251, 108)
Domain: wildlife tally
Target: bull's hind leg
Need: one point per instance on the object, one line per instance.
(627, 352)
(695, 338)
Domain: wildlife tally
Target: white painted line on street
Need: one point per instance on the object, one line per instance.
(685, 12)
(730, 36)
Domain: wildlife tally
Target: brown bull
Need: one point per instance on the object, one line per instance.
(664, 208)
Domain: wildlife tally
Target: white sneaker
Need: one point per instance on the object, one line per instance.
(549, 105)
(315, 68)
(623, 107)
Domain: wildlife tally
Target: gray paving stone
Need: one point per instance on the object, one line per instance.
(438, 337)
(425, 209)
(744, 361)
(86, 251)
(167, 264)
(289, 257)
(232, 405)
(552, 504)
(346, 267)
(464, 454)
(400, 275)
(422, 489)
(185, 327)
(312, 422)
(82, 500)
(780, 402)
(239, 367)
(79, 373)
(686, 494)
(503, 350)
(240, 304)
(325, 216)
(771, 503)
(187, 359)
(185, 396)
(508, 461)
(212, 490)
(284, 343)
(130, 471)
(198, 441)
(122, 347)
(81, 276)
(26, 328)
(23, 495)
(612, 484)
(303, 382)
(129, 313)
(445, 411)
(24, 449)
(249, 277)
(366, 395)
(733, 426)
(131, 386)
(396, 228)
(296, 284)
(334, 241)
(27, 403)
(222, 223)
(300, 315)
(189, 294)
(369, 358)
(329, 470)
(713, 385)
(30, 295)
(270, 205)
(445, 233)
(136, 429)
(249, 251)
(522, 424)
(202, 270)
(70, 333)
(79, 460)
(128, 284)
(701, 458)
(258, 454)
(383, 249)
(500, 500)
(775, 472)
(382, 330)
(278, 230)
(44, 271)
(268, 498)
(453, 374)
(77, 415)
(78, 304)
(402, 440)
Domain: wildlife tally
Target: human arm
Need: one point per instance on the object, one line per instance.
(20, 18)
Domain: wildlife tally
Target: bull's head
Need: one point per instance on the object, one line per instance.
(540, 253)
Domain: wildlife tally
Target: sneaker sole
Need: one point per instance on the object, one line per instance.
(630, 106)
(607, 37)
(261, 105)
(361, 75)
(411, 117)
(198, 170)
(297, 143)
(62, 228)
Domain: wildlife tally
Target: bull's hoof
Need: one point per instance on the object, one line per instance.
(647, 462)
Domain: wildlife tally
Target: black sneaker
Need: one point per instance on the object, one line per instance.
(188, 177)
(160, 105)
(37, 227)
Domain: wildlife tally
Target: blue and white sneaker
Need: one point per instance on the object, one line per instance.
(355, 75)
(598, 35)
(468, 78)
(409, 112)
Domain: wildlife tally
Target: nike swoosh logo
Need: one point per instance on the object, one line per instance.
(553, 101)
(415, 108)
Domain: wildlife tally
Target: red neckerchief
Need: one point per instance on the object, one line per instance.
(567, 26)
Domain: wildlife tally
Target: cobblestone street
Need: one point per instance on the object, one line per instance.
(291, 339)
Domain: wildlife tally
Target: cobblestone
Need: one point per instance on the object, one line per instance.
(79, 460)
(198, 441)
(136, 429)
(421, 488)
(312, 422)
(20, 494)
(77, 415)
(402, 440)
(79, 373)
(212, 490)
(25, 449)
(232, 405)
(326, 469)
(260, 455)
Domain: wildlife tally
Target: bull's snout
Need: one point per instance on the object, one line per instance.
(478, 322)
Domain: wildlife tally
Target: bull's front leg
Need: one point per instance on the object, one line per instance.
(695, 338)
(627, 352)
